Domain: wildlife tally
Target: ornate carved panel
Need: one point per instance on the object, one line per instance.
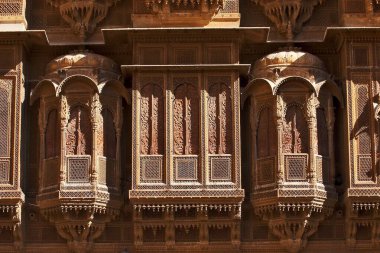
(78, 168)
(5, 127)
(219, 122)
(5, 115)
(186, 168)
(151, 169)
(186, 119)
(52, 146)
(295, 166)
(295, 134)
(79, 132)
(152, 126)
(220, 168)
(4, 171)
(362, 132)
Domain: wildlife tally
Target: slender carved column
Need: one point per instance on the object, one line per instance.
(280, 119)
(64, 111)
(95, 115)
(312, 125)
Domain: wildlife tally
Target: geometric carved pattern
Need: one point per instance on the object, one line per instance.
(363, 120)
(186, 119)
(11, 7)
(151, 169)
(295, 166)
(4, 171)
(220, 168)
(365, 172)
(152, 120)
(185, 168)
(219, 125)
(79, 132)
(265, 170)
(295, 136)
(78, 168)
(5, 115)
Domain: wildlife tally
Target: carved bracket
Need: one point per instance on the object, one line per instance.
(83, 15)
(294, 230)
(13, 224)
(290, 15)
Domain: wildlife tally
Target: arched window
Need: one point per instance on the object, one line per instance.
(152, 121)
(79, 132)
(295, 136)
(186, 122)
(266, 133)
(219, 119)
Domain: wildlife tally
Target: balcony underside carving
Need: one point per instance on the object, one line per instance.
(289, 15)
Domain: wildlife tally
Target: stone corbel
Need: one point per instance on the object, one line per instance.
(13, 224)
(293, 233)
(288, 16)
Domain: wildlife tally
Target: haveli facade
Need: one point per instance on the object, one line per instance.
(189, 126)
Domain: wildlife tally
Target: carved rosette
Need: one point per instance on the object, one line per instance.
(290, 15)
(83, 15)
(293, 184)
(80, 119)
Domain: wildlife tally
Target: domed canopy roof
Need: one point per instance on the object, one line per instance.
(289, 57)
(82, 59)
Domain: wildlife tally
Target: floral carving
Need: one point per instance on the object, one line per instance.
(152, 120)
(79, 141)
(186, 123)
(219, 125)
(295, 136)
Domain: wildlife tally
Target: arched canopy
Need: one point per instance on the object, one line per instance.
(48, 87)
(45, 87)
(291, 65)
(117, 86)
